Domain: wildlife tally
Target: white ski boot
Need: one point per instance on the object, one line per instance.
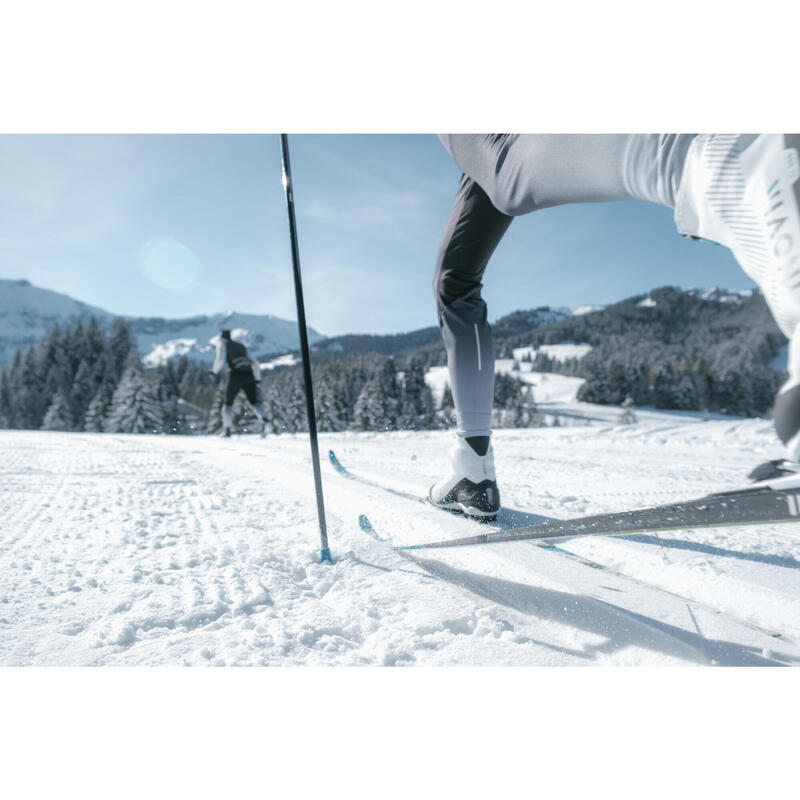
(471, 486)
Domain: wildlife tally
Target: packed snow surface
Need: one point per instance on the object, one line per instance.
(199, 550)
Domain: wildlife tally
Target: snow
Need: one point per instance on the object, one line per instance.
(174, 348)
(558, 352)
(288, 360)
(718, 295)
(549, 387)
(123, 549)
(437, 379)
(587, 309)
(648, 302)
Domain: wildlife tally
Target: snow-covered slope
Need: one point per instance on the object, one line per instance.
(27, 312)
(555, 394)
(196, 550)
(588, 309)
(558, 352)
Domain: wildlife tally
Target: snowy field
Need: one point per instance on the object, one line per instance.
(158, 550)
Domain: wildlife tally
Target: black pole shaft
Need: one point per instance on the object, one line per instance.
(301, 322)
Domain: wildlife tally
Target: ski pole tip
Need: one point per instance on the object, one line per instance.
(325, 556)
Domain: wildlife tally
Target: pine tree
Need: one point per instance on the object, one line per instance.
(94, 420)
(121, 343)
(6, 404)
(596, 388)
(512, 415)
(173, 413)
(447, 408)
(416, 411)
(389, 391)
(369, 408)
(135, 407)
(58, 416)
(95, 342)
(664, 386)
(294, 407)
(31, 403)
(329, 412)
(75, 349)
(685, 395)
(80, 394)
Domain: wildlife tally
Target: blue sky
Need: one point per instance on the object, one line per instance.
(179, 225)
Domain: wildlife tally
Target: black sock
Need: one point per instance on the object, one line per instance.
(480, 444)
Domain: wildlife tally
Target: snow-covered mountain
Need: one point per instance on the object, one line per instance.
(712, 294)
(27, 312)
(718, 295)
(161, 339)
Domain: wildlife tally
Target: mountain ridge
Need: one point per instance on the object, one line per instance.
(28, 312)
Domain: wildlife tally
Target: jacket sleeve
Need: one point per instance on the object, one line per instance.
(219, 361)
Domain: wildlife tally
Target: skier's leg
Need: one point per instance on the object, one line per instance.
(507, 175)
(473, 232)
(231, 390)
(512, 174)
(251, 394)
(227, 419)
(258, 410)
(743, 191)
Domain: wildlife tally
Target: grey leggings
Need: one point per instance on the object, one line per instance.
(506, 175)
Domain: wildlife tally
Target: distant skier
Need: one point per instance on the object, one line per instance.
(243, 375)
(740, 190)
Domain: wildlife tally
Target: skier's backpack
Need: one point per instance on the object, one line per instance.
(237, 358)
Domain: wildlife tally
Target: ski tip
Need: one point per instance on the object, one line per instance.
(335, 462)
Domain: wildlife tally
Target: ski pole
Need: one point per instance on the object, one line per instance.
(325, 554)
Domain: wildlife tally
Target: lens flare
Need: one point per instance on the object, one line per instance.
(169, 264)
